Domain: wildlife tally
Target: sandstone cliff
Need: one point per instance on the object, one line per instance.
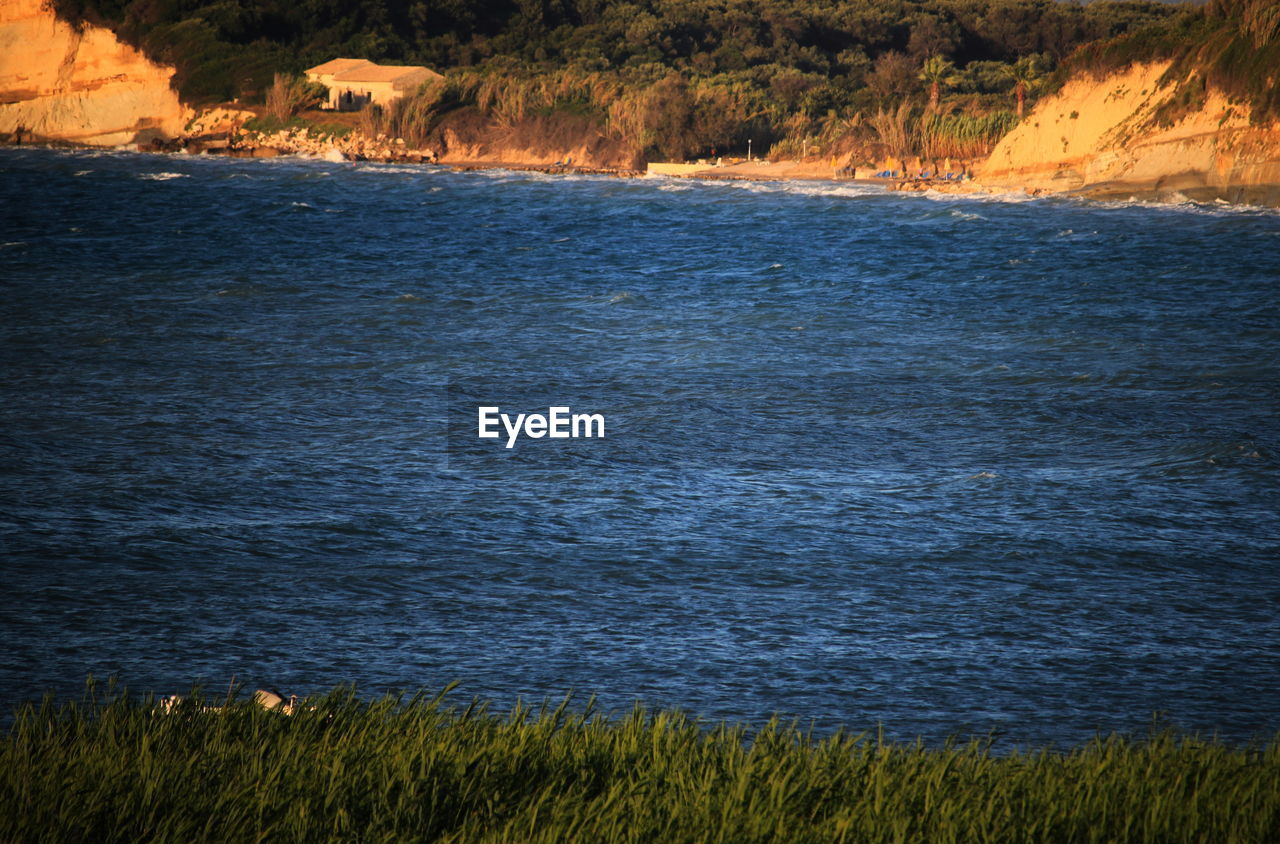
(1104, 137)
(81, 85)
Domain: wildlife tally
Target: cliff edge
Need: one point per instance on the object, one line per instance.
(1126, 134)
(80, 85)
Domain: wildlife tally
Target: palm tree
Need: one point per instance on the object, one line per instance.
(937, 71)
(1026, 74)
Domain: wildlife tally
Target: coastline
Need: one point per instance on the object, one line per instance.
(1122, 134)
(1156, 190)
(761, 170)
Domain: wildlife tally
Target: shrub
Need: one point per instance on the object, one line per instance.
(289, 95)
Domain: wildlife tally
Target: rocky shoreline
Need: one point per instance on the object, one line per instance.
(299, 143)
(221, 131)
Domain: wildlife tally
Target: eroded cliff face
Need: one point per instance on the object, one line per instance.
(84, 86)
(1101, 137)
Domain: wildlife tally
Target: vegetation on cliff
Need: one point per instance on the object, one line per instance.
(416, 769)
(669, 78)
(1229, 45)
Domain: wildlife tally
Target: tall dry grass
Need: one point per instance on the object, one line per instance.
(894, 130)
(289, 95)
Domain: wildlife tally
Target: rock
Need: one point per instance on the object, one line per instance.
(80, 84)
(272, 701)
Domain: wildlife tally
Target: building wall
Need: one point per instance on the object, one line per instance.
(362, 93)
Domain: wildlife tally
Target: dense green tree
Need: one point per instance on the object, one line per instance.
(684, 74)
(893, 77)
(696, 37)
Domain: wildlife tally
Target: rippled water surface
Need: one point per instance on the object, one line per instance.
(953, 465)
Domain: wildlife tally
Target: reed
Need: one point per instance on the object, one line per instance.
(894, 129)
(961, 135)
(398, 768)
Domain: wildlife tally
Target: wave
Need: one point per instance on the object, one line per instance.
(806, 188)
(927, 484)
(415, 169)
(944, 214)
(309, 207)
(1180, 203)
(1207, 454)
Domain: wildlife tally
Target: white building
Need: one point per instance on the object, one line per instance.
(354, 83)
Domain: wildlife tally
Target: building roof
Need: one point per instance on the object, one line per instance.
(370, 72)
(337, 66)
(363, 70)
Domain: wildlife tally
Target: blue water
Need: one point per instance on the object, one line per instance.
(957, 466)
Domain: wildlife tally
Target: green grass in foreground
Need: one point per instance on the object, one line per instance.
(414, 769)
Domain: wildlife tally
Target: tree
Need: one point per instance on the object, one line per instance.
(893, 77)
(668, 114)
(937, 71)
(932, 36)
(1026, 74)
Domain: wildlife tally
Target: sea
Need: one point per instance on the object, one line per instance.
(939, 466)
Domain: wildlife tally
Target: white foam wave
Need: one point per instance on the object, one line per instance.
(1002, 197)
(162, 177)
(502, 176)
(1217, 208)
(308, 206)
(804, 188)
(373, 167)
(93, 153)
(499, 175)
